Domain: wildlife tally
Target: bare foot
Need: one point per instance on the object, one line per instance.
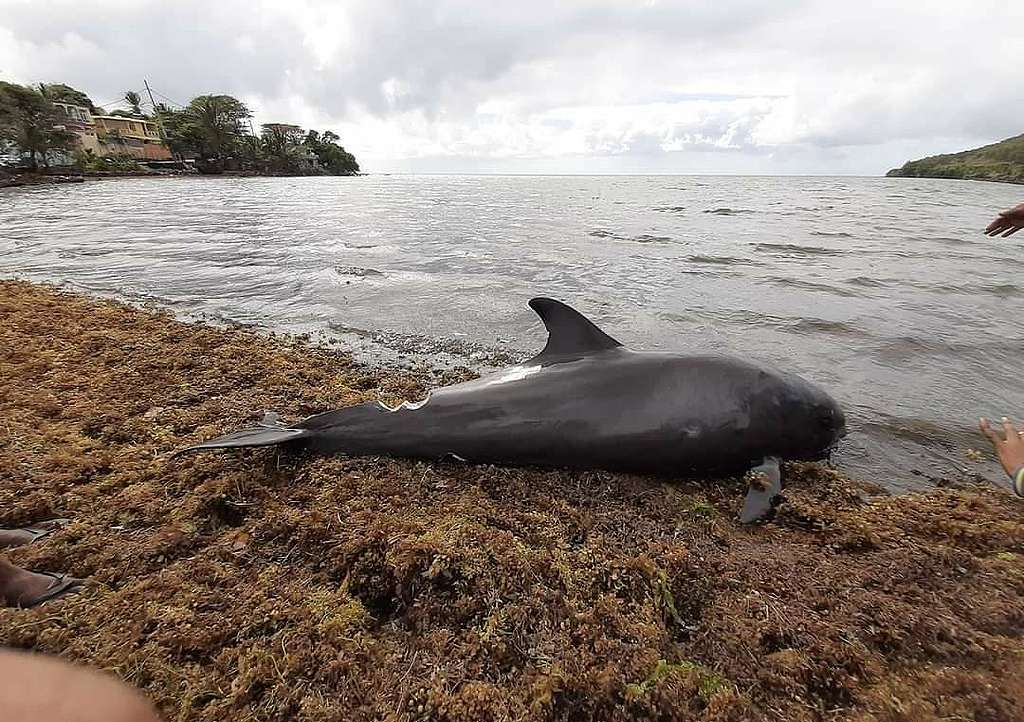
(10, 538)
(22, 588)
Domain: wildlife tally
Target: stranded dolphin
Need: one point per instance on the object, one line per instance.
(585, 401)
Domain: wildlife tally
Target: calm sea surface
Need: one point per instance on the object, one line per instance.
(883, 291)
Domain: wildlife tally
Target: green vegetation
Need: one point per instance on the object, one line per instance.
(87, 160)
(210, 127)
(213, 130)
(708, 682)
(61, 93)
(1002, 161)
(134, 102)
(281, 149)
(216, 130)
(29, 123)
(333, 158)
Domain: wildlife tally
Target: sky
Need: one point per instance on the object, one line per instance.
(560, 86)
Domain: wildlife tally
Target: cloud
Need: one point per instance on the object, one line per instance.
(734, 85)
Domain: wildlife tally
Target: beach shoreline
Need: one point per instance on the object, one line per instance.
(268, 586)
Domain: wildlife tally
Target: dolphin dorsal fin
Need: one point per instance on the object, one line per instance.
(570, 334)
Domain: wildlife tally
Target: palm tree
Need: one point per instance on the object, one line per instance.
(133, 99)
(218, 122)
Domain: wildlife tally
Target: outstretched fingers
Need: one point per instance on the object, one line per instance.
(986, 428)
(1008, 443)
(997, 226)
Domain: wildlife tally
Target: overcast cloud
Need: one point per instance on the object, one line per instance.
(606, 86)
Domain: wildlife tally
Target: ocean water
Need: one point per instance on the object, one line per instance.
(883, 291)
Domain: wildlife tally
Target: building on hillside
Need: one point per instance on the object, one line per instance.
(78, 120)
(135, 137)
(75, 119)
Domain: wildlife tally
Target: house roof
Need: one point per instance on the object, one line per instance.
(130, 118)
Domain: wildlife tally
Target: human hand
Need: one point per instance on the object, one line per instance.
(1011, 220)
(1009, 449)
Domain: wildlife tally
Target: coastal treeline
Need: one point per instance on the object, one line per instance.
(216, 129)
(1002, 161)
(213, 133)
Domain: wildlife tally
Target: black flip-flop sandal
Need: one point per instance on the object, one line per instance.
(41, 530)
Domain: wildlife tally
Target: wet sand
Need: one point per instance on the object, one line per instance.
(271, 587)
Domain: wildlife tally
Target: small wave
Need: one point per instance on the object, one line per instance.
(670, 209)
(357, 271)
(718, 260)
(80, 252)
(919, 431)
(810, 286)
(642, 238)
(790, 249)
(802, 325)
(904, 349)
(814, 326)
(866, 282)
(1002, 290)
(729, 211)
(836, 234)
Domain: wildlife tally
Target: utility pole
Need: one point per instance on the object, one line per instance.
(159, 122)
(156, 114)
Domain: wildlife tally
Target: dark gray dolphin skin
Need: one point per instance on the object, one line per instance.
(586, 402)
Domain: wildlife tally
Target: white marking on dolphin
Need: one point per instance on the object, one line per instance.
(514, 373)
(406, 405)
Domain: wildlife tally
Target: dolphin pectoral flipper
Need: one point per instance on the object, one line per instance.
(765, 485)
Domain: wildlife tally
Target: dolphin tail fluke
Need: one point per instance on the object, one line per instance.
(269, 432)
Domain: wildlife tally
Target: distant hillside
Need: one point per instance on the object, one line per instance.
(1002, 161)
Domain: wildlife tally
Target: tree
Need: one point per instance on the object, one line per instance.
(27, 123)
(217, 122)
(209, 128)
(250, 152)
(334, 159)
(133, 100)
(181, 134)
(61, 93)
(283, 149)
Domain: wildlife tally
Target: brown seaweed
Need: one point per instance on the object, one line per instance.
(271, 587)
